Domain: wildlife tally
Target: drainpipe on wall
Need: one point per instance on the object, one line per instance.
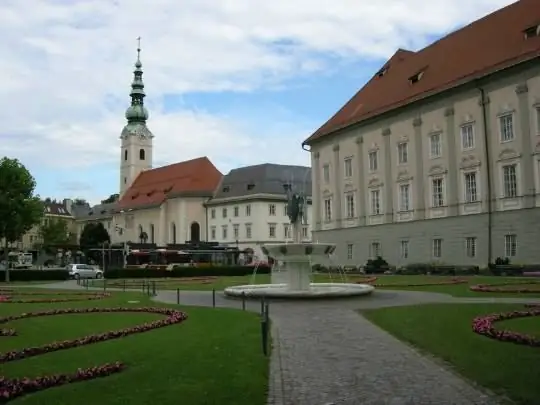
(206, 215)
(484, 102)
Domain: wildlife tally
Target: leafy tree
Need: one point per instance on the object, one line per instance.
(112, 198)
(54, 232)
(80, 201)
(94, 234)
(20, 209)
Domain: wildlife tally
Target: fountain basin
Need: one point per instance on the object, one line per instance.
(297, 252)
(316, 290)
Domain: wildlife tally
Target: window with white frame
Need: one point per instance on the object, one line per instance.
(236, 232)
(224, 229)
(510, 245)
(224, 212)
(349, 203)
(373, 163)
(286, 231)
(272, 209)
(375, 202)
(437, 248)
(285, 210)
(538, 120)
(404, 249)
(304, 232)
(236, 211)
(403, 152)
(506, 126)
(471, 189)
(213, 213)
(467, 136)
(470, 246)
(348, 167)
(248, 231)
(248, 210)
(350, 249)
(213, 233)
(326, 173)
(272, 231)
(328, 209)
(404, 197)
(375, 250)
(510, 188)
(435, 145)
(437, 192)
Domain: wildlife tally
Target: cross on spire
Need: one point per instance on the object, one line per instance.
(138, 47)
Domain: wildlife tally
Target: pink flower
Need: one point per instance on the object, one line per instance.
(12, 388)
(498, 287)
(483, 325)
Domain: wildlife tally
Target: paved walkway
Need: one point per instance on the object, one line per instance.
(325, 353)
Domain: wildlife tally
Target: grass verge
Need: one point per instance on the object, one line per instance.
(444, 330)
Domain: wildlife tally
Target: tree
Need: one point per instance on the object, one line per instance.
(20, 209)
(80, 201)
(112, 198)
(54, 232)
(94, 234)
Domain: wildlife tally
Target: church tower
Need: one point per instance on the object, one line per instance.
(136, 147)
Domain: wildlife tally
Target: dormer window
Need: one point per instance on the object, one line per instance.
(250, 186)
(383, 71)
(416, 77)
(226, 189)
(150, 193)
(531, 32)
(167, 190)
(91, 213)
(103, 212)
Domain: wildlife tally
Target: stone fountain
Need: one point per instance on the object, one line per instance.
(292, 270)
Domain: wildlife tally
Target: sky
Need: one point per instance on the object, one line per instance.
(240, 81)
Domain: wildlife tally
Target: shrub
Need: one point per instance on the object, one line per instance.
(186, 271)
(35, 275)
(379, 265)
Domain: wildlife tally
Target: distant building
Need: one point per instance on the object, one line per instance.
(180, 202)
(437, 157)
(248, 208)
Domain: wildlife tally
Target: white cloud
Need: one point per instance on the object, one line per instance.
(66, 64)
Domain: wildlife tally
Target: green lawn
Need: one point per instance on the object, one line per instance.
(444, 330)
(391, 281)
(214, 357)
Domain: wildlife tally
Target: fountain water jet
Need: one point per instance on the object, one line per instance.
(293, 279)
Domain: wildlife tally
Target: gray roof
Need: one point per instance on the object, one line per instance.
(99, 211)
(266, 178)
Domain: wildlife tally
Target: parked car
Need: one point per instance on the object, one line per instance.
(84, 271)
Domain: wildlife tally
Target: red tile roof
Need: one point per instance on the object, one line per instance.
(492, 43)
(196, 177)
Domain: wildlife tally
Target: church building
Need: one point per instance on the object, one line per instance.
(177, 203)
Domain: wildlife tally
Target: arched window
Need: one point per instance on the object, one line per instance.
(125, 154)
(141, 154)
(152, 234)
(195, 232)
(173, 233)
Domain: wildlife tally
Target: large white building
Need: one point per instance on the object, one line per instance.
(249, 206)
(192, 200)
(437, 157)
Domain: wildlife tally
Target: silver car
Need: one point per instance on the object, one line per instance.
(84, 271)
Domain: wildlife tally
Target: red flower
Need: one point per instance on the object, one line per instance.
(497, 288)
(446, 282)
(483, 325)
(11, 388)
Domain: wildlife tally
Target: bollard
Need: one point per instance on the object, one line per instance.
(78, 281)
(86, 282)
(264, 335)
(124, 285)
(243, 300)
(143, 285)
(213, 297)
(154, 288)
(178, 296)
(267, 311)
(262, 306)
(104, 284)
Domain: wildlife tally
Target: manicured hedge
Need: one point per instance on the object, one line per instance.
(185, 271)
(512, 269)
(35, 275)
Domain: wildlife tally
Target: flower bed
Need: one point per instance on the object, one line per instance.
(483, 325)
(12, 388)
(447, 282)
(499, 288)
(6, 296)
